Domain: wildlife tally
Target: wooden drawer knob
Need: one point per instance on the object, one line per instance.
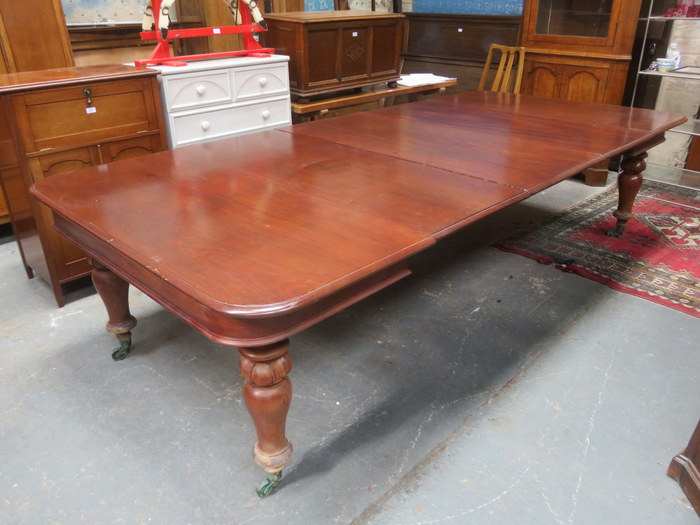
(263, 81)
(266, 114)
(201, 90)
(205, 125)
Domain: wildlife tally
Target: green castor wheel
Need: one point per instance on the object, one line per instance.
(124, 347)
(617, 231)
(267, 486)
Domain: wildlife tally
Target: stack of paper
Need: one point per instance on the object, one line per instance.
(420, 79)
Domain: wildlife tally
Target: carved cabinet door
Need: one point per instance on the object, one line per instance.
(570, 82)
(68, 260)
(583, 85)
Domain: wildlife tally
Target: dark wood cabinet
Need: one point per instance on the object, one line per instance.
(66, 119)
(336, 50)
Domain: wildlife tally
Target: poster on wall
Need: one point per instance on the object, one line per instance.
(103, 12)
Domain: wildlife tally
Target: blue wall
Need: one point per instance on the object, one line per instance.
(469, 7)
(318, 5)
(465, 7)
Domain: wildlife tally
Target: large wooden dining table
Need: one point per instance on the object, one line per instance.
(255, 238)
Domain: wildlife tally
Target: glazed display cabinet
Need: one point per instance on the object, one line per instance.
(578, 49)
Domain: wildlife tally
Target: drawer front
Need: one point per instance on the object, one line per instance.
(211, 125)
(66, 117)
(259, 82)
(196, 91)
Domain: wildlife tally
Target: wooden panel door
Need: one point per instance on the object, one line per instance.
(67, 260)
(386, 46)
(542, 79)
(75, 115)
(570, 82)
(583, 85)
(34, 35)
(131, 147)
(355, 51)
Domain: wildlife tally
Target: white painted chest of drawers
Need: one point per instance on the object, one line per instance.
(214, 99)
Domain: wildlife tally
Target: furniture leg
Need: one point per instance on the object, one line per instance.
(267, 392)
(596, 175)
(685, 469)
(628, 183)
(114, 292)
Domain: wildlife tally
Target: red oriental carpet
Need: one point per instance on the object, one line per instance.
(657, 257)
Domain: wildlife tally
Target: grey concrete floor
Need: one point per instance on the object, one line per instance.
(485, 388)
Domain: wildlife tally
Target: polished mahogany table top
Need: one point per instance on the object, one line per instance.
(251, 229)
(254, 238)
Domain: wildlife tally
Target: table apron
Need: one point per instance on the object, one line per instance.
(218, 325)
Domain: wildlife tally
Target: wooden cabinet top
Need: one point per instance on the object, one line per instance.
(304, 17)
(32, 80)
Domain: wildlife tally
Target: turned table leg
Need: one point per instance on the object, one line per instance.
(628, 183)
(267, 392)
(114, 292)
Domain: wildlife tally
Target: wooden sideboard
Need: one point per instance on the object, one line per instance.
(21, 50)
(335, 50)
(61, 120)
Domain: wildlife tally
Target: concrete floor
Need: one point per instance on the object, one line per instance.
(486, 388)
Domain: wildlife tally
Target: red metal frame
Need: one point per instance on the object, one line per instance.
(161, 54)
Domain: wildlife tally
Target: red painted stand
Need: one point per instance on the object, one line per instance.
(161, 54)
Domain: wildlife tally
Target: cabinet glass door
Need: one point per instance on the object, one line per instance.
(586, 18)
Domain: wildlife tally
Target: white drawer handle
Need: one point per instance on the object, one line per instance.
(201, 90)
(205, 125)
(263, 81)
(266, 114)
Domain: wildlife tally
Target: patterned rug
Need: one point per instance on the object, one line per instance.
(657, 257)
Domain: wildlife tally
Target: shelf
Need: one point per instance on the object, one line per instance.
(670, 175)
(670, 18)
(670, 74)
(691, 127)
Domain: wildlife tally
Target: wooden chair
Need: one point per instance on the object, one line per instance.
(504, 81)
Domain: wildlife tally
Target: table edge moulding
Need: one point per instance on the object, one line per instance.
(258, 237)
